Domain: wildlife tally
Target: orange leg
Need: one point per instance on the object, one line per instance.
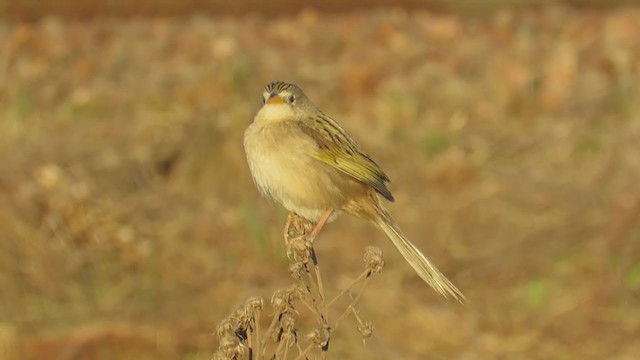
(323, 219)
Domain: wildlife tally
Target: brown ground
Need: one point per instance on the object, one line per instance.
(70, 9)
(129, 225)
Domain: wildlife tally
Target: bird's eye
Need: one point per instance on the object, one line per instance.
(291, 99)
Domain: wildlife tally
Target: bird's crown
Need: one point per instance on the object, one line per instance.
(281, 86)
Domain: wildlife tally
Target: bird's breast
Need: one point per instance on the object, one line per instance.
(279, 157)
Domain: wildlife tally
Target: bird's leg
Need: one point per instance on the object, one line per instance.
(297, 228)
(320, 224)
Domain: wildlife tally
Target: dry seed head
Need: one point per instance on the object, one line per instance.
(319, 337)
(222, 355)
(226, 327)
(365, 329)
(300, 226)
(295, 292)
(373, 259)
(253, 306)
(286, 326)
(219, 355)
(288, 338)
(297, 270)
(299, 248)
(283, 299)
(230, 347)
(275, 334)
(288, 322)
(280, 301)
(243, 317)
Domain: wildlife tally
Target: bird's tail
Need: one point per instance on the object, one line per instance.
(425, 269)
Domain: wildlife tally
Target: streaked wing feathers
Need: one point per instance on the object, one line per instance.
(336, 148)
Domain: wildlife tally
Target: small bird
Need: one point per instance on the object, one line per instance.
(304, 160)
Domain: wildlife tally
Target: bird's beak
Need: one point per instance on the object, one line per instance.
(275, 99)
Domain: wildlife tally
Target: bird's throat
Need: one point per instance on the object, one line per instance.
(273, 113)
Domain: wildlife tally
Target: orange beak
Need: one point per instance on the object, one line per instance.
(275, 99)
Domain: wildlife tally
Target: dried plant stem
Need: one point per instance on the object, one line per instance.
(250, 344)
(316, 268)
(354, 312)
(303, 354)
(257, 336)
(311, 292)
(279, 350)
(263, 343)
(318, 298)
(300, 351)
(241, 335)
(348, 288)
(352, 304)
(286, 349)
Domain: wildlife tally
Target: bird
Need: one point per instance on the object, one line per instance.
(303, 159)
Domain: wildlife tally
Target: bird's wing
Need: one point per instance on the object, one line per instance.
(337, 149)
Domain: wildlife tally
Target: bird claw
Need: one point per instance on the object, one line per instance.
(298, 238)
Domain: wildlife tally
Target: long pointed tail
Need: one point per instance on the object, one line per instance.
(427, 271)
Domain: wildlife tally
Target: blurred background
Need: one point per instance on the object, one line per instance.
(129, 224)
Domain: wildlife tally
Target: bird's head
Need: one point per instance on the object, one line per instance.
(280, 92)
(284, 100)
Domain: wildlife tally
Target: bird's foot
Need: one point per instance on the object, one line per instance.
(298, 238)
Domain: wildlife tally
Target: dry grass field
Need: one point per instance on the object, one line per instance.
(129, 224)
